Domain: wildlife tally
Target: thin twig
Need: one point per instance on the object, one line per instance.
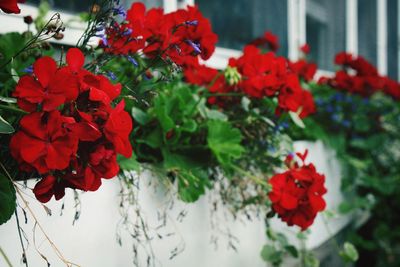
(25, 259)
(26, 203)
(5, 257)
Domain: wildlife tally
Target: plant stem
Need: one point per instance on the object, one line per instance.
(5, 257)
(25, 260)
(252, 177)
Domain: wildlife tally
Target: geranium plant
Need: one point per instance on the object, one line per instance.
(135, 93)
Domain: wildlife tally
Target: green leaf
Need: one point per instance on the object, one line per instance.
(349, 253)
(140, 116)
(270, 254)
(224, 141)
(214, 114)
(292, 250)
(14, 75)
(296, 119)
(5, 127)
(192, 178)
(8, 99)
(130, 164)
(7, 199)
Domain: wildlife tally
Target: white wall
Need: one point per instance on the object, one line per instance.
(92, 241)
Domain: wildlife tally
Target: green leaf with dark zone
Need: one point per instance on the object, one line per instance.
(140, 116)
(192, 177)
(224, 141)
(7, 199)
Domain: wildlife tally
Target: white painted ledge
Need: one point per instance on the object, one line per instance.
(92, 241)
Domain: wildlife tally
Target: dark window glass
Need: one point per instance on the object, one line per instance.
(325, 30)
(392, 26)
(367, 30)
(148, 3)
(84, 5)
(62, 5)
(238, 22)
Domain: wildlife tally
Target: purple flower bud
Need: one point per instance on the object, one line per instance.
(99, 28)
(195, 46)
(133, 61)
(192, 22)
(111, 75)
(104, 40)
(119, 10)
(28, 69)
(127, 32)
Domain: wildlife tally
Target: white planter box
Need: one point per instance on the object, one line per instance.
(92, 241)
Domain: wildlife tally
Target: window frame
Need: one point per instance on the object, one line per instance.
(296, 30)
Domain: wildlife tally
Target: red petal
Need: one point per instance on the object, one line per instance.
(75, 59)
(44, 69)
(288, 201)
(32, 149)
(10, 6)
(44, 188)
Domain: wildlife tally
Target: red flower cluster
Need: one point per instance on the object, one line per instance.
(262, 75)
(366, 80)
(304, 69)
(296, 194)
(72, 134)
(212, 79)
(177, 35)
(11, 6)
(268, 39)
(267, 75)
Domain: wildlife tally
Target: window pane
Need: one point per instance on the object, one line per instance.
(148, 3)
(325, 30)
(392, 25)
(367, 30)
(61, 5)
(238, 22)
(83, 5)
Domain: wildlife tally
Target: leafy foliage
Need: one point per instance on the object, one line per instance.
(7, 199)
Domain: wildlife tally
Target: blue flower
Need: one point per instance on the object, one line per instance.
(127, 32)
(132, 60)
(104, 40)
(119, 10)
(28, 69)
(329, 108)
(338, 97)
(195, 46)
(192, 22)
(335, 117)
(346, 123)
(319, 101)
(111, 75)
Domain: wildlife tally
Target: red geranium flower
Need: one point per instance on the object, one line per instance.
(296, 195)
(303, 69)
(305, 49)
(10, 6)
(117, 130)
(50, 86)
(268, 39)
(44, 142)
(48, 187)
(103, 162)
